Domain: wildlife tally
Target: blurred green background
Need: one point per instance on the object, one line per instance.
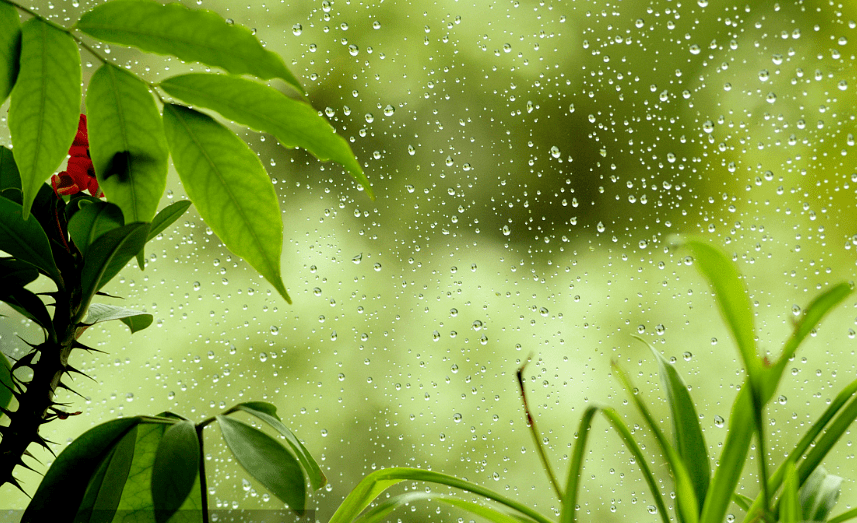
(530, 160)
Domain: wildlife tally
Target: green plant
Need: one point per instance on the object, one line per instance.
(798, 490)
(119, 153)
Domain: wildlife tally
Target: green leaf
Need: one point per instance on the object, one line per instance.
(10, 48)
(379, 513)
(108, 255)
(845, 516)
(14, 273)
(266, 460)
(732, 301)
(26, 240)
(790, 510)
(191, 35)
(687, 433)
(30, 305)
(57, 499)
(819, 494)
(292, 122)
(127, 143)
(166, 217)
(135, 320)
(840, 426)
(6, 385)
(10, 180)
(230, 188)
(45, 107)
(105, 487)
(92, 221)
(377, 482)
(175, 470)
(268, 413)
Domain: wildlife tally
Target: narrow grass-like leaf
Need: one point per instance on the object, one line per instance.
(379, 513)
(268, 413)
(371, 486)
(26, 240)
(688, 505)
(92, 221)
(175, 469)
(10, 180)
(294, 123)
(57, 499)
(230, 188)
(687, 433)
(10, 48)
(6, 386)
(266, 460)
(819, 494)
(105, 487)
(825, 443)
(166, 217)
(108, 255)
(193, 35)
(732, 301)
(845, 516)
(790, 510)
(45, 106)
(742, 501)
(135, 320)
(122, 117)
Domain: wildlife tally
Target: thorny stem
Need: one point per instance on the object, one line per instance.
(531, 423)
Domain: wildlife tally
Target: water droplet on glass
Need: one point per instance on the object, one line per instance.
(719, 422)
(297, 29)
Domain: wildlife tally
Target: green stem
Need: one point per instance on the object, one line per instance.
(203, 488)
(534, 431)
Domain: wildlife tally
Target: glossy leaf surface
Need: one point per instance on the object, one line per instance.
(175, 470)
(109, 254)
(135, 320)
(25, 239)
(104, 490)
(91, 222)
(10, 48)
(5, 383)
(10, 180)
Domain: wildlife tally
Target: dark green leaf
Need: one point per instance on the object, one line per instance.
(92, 221)
(166, 217)
(790, 510)
(30, 305)
(14, 273)
(26, 240)
(10, 180)
(268, 413)
(687, 433)
(819, 494)
(57, 499)
(135, 320)
(191, 35)
(6, 385)
(127, 144)
(109, 254)
(10, 48)
(175, 469)
(292, 122)
(230, 188)
(266, 460)
(45, 107)
(106, 485)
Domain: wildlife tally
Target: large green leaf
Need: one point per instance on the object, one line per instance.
(45, 107)
(10, 48)
(14, 273)
(6, 386)
(105, 486)
(268, 413)
(93, 221)
(230, 188)
(292, 122)
(26, 240)
(266, 460)
(124, 124)
(687, 432)
(135, 320)
(191, 35)
(108, 255)
(175, 469)
(373, 485)
(30, 305)
(10, 180)
(57, 499)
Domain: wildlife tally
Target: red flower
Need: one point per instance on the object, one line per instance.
(79, 174)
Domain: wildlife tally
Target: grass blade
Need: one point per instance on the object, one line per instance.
(377, 482)
(379, 513)
(790, 511)
(687, 432)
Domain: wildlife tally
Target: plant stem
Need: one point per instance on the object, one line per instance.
(203, 488)
(531, 422)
